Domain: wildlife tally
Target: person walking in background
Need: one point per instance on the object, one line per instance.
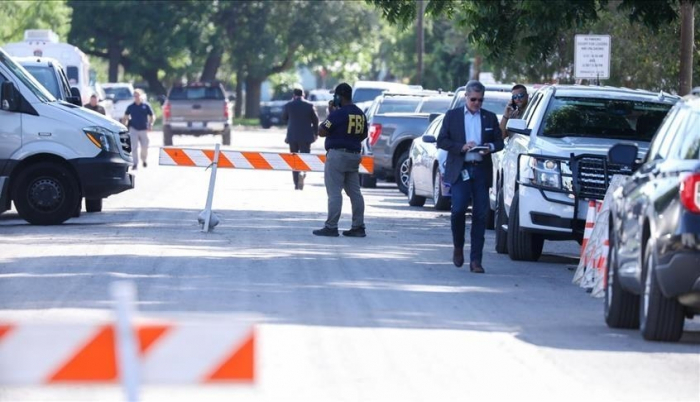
(344, 130)
(469, 135)
(302, 128)
(94, 106)
(139, 118)
(515, 108)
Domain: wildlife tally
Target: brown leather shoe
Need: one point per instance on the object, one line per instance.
(476, 267)
(458, 257)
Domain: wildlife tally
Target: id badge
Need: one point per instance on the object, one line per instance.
(465, 175)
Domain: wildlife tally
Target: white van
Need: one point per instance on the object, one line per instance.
(54, 153)
(51, 76)
(45, 43)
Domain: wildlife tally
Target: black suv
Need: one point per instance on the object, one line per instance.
(653, 270)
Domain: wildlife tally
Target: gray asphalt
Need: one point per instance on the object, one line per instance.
(387, 317)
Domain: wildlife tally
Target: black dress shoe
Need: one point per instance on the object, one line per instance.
(458, 257)
(476, 267)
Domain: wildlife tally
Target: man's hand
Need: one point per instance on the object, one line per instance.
(469, 145)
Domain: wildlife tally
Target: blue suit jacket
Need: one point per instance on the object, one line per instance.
(452, 138)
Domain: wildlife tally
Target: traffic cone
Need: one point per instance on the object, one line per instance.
(585, 253)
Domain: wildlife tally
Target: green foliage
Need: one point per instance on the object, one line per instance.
(17, 16)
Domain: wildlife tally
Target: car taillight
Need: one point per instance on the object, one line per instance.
(690, 192)
(375, 130)
(166, 110)
(226, 113)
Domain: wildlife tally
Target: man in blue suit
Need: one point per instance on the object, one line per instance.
(470, 135)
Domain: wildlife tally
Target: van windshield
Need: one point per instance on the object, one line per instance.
(46, 77)
(27, 79)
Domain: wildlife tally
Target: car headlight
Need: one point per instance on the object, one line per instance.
(546, 172)
(102, 138)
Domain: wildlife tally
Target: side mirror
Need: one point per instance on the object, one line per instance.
(161, 99)
(75, 97)
(518, 126)
(429, 139)
(433, 116)
(623, 154)
(9, 98)
(232, 98)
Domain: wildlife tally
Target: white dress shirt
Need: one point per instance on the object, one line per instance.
(472, 129)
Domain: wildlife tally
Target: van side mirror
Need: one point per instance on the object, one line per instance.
(9, 97)
(74, 97)
(623, 154)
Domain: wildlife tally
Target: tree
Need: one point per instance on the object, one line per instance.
(18, 16)
(500, 27)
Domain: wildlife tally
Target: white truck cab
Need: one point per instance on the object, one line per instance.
(53, 153)
(555, 160)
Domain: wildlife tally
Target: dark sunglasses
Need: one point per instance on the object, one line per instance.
(480, 100)
(519, 96)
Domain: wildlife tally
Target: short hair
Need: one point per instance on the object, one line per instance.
(519, 86)
(474, 86)
(344, 90)
(138, 91)
(298, 92)
(93, 96)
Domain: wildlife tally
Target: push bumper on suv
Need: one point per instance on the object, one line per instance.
(678, 267)
(197, 127)
(103, 175)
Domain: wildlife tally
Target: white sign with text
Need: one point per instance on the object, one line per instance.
(592, 57)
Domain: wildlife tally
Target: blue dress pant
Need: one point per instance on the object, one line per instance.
(474, 191)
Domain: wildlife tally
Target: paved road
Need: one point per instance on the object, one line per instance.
(387, 317)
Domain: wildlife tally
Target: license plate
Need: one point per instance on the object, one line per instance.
(197, 124)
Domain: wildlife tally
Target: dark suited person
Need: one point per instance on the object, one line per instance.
(469, 171)
(302, 128)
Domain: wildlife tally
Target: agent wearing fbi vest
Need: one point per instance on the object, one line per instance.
(469, 135)
(344, 130)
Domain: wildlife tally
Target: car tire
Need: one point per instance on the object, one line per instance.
(167, 136)
(413, 199)
(501, 219)
(93, 205)
(621, 306)
(402, 172)
(265, 123)
(441, 202)
(522, 246)
(226, 136)
(368, 181)
(660, 318)
(47, 193)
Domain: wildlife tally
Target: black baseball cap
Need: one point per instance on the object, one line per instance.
(344, 90)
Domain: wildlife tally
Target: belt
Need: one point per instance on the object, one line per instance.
(350, 151)
(472, 163)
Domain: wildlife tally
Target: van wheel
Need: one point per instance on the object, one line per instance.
(167, 136)
(93, 205)
(402, 172)
(46, 194)
(368, 181)
(226, 136)
(413, 199)
(522, 246)
(661, 318)
(442, 202)
(621, 306)
(501, 220)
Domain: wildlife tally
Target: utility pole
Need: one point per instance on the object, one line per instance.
(420, 48)
(687, 37)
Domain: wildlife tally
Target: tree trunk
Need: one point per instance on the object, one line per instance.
(476, 68)
(211, 66)
(115, 54)
(687, 38)
(238, 107)
(419, 42)
(154, 84)
(253, 86)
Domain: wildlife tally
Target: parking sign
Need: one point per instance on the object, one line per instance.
(592, 57)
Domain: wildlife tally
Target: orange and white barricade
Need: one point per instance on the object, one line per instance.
(195, 157)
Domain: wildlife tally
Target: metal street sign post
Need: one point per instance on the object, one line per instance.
(592, 57)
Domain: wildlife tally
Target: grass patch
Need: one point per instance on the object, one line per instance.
(242, 121)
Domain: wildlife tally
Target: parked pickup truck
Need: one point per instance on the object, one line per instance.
(395, 119)
(555, 160)
(197, 109)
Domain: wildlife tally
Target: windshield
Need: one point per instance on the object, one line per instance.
(366, 94)
(27, 79)
(194, 93)
(46, 77)
(604, 118)
(399, 105)
(435, 105)
(119, 93)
